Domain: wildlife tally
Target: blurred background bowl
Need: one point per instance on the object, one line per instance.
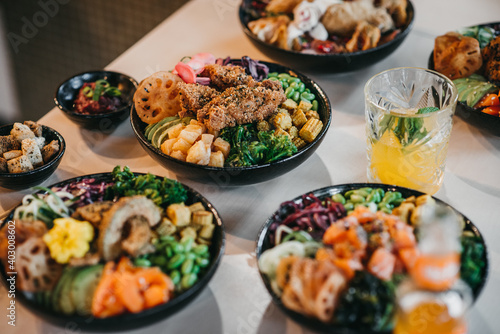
(231, 176)
(32, 178)
(333, 63)
(67, 92)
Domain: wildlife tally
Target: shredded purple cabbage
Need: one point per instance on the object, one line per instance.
(311, 215)
(253, 67)
(89, 191)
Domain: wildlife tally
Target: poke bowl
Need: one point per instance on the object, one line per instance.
(481, 109)
(358, 298)
(96, 99)
(250, 151)
(328, 53)
(95, 259)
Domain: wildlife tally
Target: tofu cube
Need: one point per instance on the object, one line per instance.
(179, 214)
(31, 150)
(19, 165)
(191, 133)
(173, 132)
(216, 159)
(198, 154)
(195, 122)
(208, 139)
(222, 146)
(166, 146)
(181, 145)
(12, 154)
(179, 155)
(289, 104)
(20, 132)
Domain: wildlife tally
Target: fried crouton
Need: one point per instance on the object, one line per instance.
(8, 143)
(3, 165)
(32, 151)
(50, 150)
(20, 164)
(40, 142)
(20, 131)
(34, 127)
(12, 154)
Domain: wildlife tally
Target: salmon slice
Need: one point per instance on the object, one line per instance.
(382, 264)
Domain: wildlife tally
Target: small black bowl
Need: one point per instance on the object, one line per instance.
(471, 115)
(67, 92)
(18, 181)
(231, 176)
(147, 317)
(264, 243)
(333, 63)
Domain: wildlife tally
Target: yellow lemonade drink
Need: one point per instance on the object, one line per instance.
(408, 114)
(430, 317)
(417, 165)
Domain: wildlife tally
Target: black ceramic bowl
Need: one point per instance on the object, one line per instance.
(264, 243)
(333, 63)
(147, 317)
(471, 115)
(67, 92)
(25, 180)
(225, 176)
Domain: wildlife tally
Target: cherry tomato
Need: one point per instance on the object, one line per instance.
(493, 110)
(488, 100)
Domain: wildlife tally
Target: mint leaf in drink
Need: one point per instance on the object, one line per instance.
(427, 110)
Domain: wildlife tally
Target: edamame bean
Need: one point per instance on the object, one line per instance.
(142, 262)
(289, 92)
(187, 244)
(349, 193)
(307, 96)
(188, 280)
(349, 206)
(355, 198)
(200, 249)
(168, 251)
(158, 260)
(338, 198)
(284, 76)
(190, 256)
(294, 79)
(294, 85)
(296, 96)
(177, 248)
(314, 105)
(202, 262)
(176, 261)
(285, 84)
(363, 192)
(175, 276)
(196, 269)
(272, 74)
(187, 267)
(302, 87)
(273, 79)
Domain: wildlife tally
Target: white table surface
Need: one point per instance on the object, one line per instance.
(236, 300)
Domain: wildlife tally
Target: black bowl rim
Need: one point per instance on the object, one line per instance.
(102, 324)
(331, 190)
(485, 116)
(48, 165)
(410, 9)
(99, 115)
(322, 95)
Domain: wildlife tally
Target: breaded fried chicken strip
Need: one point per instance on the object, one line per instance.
(224, 77)
(491, 58)
(193, 97)
(242, 104)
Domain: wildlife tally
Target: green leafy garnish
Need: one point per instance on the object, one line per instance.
(483, 34)
(251, 147)
(472, 264)
(101, 87)
(161, 191)
(407, 129)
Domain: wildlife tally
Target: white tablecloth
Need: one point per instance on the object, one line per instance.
(236, 300)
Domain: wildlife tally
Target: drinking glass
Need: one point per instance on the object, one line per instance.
(408, 125)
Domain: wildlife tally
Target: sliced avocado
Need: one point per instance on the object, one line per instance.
(83, 287)
(472, 89)
(56, 295)
(160, 130)
(148, 129)
(160, 123)
(66, 304)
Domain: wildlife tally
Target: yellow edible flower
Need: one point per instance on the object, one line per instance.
(68, 238)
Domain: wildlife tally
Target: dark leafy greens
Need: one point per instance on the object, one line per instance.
(472, 264)
(161, 191)
(368, 303)
(251, 147)
(483, 34)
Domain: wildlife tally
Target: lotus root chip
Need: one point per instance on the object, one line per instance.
(157, 97)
